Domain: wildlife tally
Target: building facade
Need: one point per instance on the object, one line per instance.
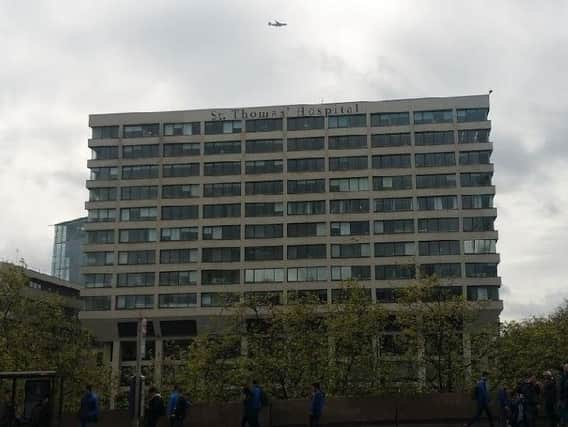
(67, 256)
(189, 210)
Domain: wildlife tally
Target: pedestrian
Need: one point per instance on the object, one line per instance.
(258, 401)
(482, 398)
(89, 408)
(563, 397)
(316, 405)
(517, 418)
(504, 406)
(156, 409)
(41, 414)
(550, 399)
(180, 410)
(172, 404)
(529, 391)
(248, 408)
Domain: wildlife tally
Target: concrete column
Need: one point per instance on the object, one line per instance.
(158, 362)
(467, 356)
(115, 373)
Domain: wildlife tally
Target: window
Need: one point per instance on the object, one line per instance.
(481, 223)
(222, 168)
(479, 179)
(229, 210)
(392, 161)
(307, 296)
(315, 164)
(484, 246)
(394, 226)
(395, 272)
(140, 172)
(223, 126)
(263, 253)
(221, 254)
(264, 209)
(181, 150)
(398, 182)
(478, 201)
(133, 280)
(390, 140)
(304, 123)
(219, 299)
(177, 300)
(305, 186)
(348, 163)
(102, 215)
(104, 153)
(473, 136)
(306, 229)
(386, 295)
(444, 270)
(429, 160)
(179, 234)
(220, 277)
(136, 257)
(389, 249)
(440, 116)
(264, 146)
(264, 231)
(437, 203)
(358, 272)
(223, 147)
(352, 228)
(182, 129)
(98, 280)
(305, 144)
(222, 189)
(97, 259)
(222, 232)
(482, 293)
(313, 207)
(106, 173)
(104, 132)
(349, 206)
(96, 303)
(400, 204)
(140, 151)
(102, 194)
(137, 235)
(351, 250)
(306, 251)
(178, 278)
(141, 131)
(480, 269)
(347, 142)
(390, 119)
(264, 275)
(436, 181)
(263, 125)
(138, 214)
(308, 274)
(263, 166)
(178, 256)
(134, 302)
(472, 114)
(263, 187)
(445, 137)
(348, 184)
(180, 170)
(439, 248)
(144, 192)
(180, 191)
(475, 157)
(438, 225)
(347, 121)
(180, 212)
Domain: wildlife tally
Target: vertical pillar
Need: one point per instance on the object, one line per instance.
(158, 362)
(115, 373)
(467, 356)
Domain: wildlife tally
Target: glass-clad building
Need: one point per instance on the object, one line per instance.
(67, 252)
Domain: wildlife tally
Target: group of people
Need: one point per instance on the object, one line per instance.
(176, 410)
(519, 407)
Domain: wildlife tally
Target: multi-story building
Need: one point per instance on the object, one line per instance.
(191, 209)
(67, 254)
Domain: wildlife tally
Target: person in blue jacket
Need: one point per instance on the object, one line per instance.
(316, 405)
(256, 403)
(482, 398)
(172, 402)
(89, 408)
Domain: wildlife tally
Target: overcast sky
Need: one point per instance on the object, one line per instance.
(64, 59)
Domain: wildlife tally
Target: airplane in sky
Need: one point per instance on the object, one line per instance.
(277, 24)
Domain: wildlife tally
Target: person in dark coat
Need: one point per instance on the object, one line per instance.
(248, 419)
(41, 414)
(316, 405)
(482, 399)
(550, 398)
(156, 408)
(89, 408)
(504, 406)
(529, 390)
(563, 398)
(180, 411)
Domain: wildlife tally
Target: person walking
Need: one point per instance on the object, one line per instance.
(504, 406)
(172, 402)
(248, 418)
(563, 397)
(482, 399)
(550, 395)
(156, 409)
(316, 405)
(258, 401)
(180, 410)
(89, 408)
(529, 390)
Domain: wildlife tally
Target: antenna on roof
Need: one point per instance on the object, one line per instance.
(490, 91)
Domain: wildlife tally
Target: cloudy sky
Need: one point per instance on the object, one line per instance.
(62, 60)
